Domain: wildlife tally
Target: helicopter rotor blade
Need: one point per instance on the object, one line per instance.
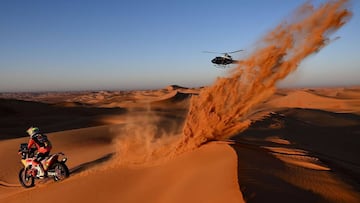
(235, 51)
(212, 52)
(223, 53)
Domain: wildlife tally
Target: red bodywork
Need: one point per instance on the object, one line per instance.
(46, 162)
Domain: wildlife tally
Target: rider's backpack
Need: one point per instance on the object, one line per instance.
(42, 140)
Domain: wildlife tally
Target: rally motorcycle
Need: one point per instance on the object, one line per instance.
(52, 165)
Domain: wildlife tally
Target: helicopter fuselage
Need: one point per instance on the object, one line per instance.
(222, 60)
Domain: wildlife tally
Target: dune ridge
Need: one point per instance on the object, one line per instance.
(319, 99)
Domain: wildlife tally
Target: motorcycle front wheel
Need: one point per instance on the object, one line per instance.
(25, 178)
(61, 171)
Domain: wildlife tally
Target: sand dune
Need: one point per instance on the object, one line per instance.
(304, 151)
(341, 101)
(209, 173)
(19, 115)
(83, 110)
(173, 99)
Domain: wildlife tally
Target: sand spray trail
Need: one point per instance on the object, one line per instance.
(221, 110)
(142, 141)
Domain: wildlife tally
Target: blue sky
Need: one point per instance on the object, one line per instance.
(119, 45)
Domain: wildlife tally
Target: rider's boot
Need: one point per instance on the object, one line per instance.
(41, 171)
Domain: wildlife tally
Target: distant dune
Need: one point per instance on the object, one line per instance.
(336, 100)
(20, 115)
(173, 99)
(303, 147)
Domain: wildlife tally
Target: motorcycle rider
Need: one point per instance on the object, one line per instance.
(43, 146)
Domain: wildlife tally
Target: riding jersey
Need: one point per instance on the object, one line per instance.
(41, 142)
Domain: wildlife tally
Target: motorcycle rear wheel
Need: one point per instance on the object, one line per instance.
(25, 178)
(61, 171)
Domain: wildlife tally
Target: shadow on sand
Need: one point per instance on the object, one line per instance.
(259, 180)
(323, 134)
(85, 166)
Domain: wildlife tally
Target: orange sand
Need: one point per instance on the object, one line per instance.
(297, 153)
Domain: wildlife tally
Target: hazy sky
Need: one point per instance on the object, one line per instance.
(93, 45)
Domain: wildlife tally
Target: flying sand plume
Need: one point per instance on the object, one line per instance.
(141, 142)
(222, 109)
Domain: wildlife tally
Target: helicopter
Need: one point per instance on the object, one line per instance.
(225, 60)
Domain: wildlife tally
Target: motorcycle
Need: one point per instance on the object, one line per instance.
(52, 165)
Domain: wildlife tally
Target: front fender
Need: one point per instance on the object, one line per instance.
(26, 162)
(64, 158)
(23, 161)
